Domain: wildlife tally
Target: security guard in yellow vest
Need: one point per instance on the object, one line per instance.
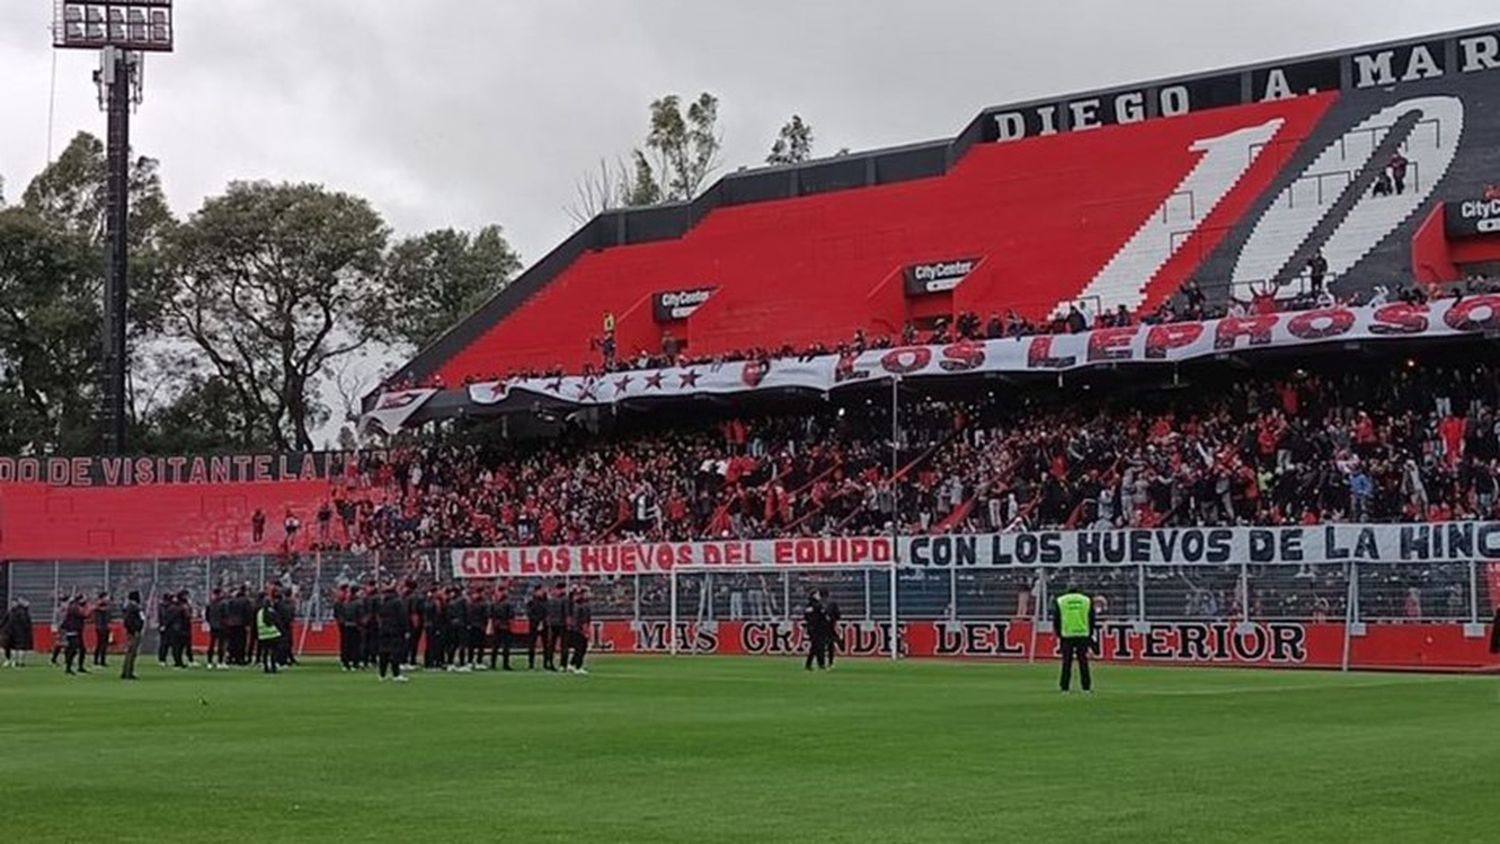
(267, 633)
(1073, 621)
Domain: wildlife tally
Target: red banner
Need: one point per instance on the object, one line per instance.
(1269, 644)
(1196, 643)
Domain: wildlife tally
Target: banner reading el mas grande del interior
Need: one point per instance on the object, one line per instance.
(1363, 543)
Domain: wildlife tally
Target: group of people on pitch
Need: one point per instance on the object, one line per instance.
(74, 616)
(452, 628)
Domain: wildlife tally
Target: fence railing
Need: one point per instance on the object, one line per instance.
(1426, 592)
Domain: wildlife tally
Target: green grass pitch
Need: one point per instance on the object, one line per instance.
(749, 749)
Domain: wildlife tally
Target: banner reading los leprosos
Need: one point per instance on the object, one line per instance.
(1361, 543)
(1135, 344)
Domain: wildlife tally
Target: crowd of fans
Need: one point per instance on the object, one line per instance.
(1408, 443)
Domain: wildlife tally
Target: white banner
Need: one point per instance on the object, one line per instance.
(1359, 543)
(1143, 344)
(392, 409)
(1414, 543)
(661, 557)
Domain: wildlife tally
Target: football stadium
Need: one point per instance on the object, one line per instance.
(1125, 463)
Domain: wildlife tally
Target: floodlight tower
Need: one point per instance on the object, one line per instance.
(123, 31)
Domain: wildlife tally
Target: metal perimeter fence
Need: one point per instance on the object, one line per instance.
(1442, 593)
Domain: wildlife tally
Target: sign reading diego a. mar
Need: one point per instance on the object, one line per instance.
(1125, 346)
(1360, 543)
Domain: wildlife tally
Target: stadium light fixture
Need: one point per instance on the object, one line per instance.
(122, 31)
(136, 25)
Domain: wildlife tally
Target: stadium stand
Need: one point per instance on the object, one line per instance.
(1283, 445)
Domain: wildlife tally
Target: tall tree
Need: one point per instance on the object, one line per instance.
(793, 144)
(435, 279)
(49, 336)
(51, 284)
(684, 144)
(273, 283)
(681, 150)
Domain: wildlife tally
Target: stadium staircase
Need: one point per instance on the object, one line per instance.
(42, 522)
(1330, 205)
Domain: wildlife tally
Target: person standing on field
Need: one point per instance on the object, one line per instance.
(135, 624)
(74, 619)
(831, 616)
(814, 625)
(218, 647)
(455, 641)
(238, 612)
(266, 635)
(580, 625)
(433, 613)
(501, 616)
(558, 607)
(536, 626)
(100, 616)
(476, 620)
(393, 621)
(19, 635)
(1074, 622)
(414, 622)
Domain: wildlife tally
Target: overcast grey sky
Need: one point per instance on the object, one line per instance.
(464, 113)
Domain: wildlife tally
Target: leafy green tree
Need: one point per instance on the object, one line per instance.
(435, 279)
(683, 145)
(793, 144)
(206, 415)
(272, 283)
(49, 336)
(51, 284)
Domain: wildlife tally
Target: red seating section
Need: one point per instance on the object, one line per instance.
(1046, 213)
(41, 522)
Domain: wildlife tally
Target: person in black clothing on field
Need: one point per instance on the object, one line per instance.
(286, 613)
(814, 625)
(833, 642)
(73, 622)
(178, 629)
(237, 617)
(415, 622)
(184, 608)
(100, 617)
(218, 646)
(135, 624)
(501, 616)
(18, 634)
(392, 618)
(432, 621)
(163, 615)
(579, 627)
(369, 624)
(536, 626)
(557, 628)
(58, 614)
(348, 626)
(476, 620)
(455, 623)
